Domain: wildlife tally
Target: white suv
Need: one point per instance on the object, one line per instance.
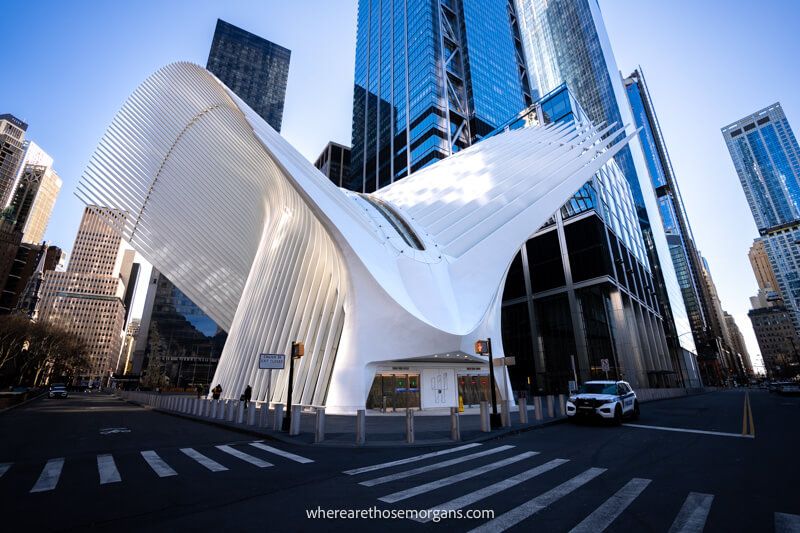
(611, 400)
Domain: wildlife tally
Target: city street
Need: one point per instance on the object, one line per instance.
(93, 461)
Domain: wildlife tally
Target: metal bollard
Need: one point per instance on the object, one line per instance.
(409, 426)
(505, 413)
(278, 421)
(455, 425)
(485, 417)
(214, 407)
(251, 415)
(550, 408)
(319, 425)
(294, 428)
(537, 408)
(562, 405)
(222, 411)
(240, 413)
(523, 409)
(232, 410)
(361, 427)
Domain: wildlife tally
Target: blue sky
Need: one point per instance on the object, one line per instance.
(707, 64)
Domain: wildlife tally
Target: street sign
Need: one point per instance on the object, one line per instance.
(271, 361)
(504, 361)
(604, 365)
(573, 386)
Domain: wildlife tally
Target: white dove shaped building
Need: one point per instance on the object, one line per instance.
(274, 252)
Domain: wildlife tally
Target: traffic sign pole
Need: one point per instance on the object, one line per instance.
(494, 419)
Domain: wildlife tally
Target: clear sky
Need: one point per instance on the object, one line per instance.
(71, 65)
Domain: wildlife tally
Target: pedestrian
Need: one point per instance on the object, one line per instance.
(248, 393)
(217, 392)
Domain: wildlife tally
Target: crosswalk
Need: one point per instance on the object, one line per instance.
(413, 482)
(108, 472)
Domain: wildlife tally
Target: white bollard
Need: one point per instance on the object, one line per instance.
(319, 425)
(277, 423)
(361, 427)
(537, 408)
(294, 427)
(523, 409)
(264, 418)
(409, 426)
(550, 409)
(562, 405)
(485, 427)
(231, 410)
(251, 415)
(223, 405)
(214, 406)
(505, 413)
(240, 413)
(455, 425)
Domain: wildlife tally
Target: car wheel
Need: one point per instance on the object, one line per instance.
(635, 414)
(618, 416)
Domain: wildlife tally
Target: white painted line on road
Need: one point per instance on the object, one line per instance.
(433, 485)
(434, 466)
(203, 460)
(409, 460)
(107, 469)
(244, 456)
(692, 516)
(157, 464)
(603, 516)
(531, 507)
(282, 453)
(787, 523)
(48, 479)
(468, 499)
(686, 430)
(4, 468)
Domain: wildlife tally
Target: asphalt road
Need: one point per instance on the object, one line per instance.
(78, 464)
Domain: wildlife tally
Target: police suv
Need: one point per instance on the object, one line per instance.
(611, 400)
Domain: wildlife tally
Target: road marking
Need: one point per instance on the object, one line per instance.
(433, 485)
(107, 469)
(157, 464)
(747, 416)
(434, 466)
(4, 468)
(531, 507)
(692, 516)
(491, 490)
(787, 523)
(203, 460)
(276, 451)
(111, 431)
(244, 456)
(409, 460)
(603, 516)
(48, 479)
(686, 430)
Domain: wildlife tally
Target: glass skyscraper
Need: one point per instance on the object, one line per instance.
(766, 156)
(565, 42)
(252, 67)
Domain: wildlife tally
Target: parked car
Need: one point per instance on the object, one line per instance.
(57, 390)
(608, 400)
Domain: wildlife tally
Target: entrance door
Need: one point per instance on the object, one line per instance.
(473, 389)
(394, 391)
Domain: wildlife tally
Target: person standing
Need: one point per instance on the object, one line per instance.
(248, 393)
(217, 392)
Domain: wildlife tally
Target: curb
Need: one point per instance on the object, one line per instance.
(10, 407)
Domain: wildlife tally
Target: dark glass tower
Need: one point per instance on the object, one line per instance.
(252, 67)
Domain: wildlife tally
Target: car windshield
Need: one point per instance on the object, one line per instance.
(598, 388)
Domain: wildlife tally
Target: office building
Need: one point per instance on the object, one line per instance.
(565, 41)
(762, 268)
(766, 157)
(20, 289)
(776, 336)
(33, 200)
(738, 346)
(253, 68)
(334, 162)
(87, 299)
(12, 136)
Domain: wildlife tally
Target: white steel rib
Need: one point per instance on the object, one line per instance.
(266, 245)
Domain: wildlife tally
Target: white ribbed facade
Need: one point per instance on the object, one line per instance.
(274, 252)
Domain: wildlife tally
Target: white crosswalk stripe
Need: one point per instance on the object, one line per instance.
(603, 516)
(531, 507)
(48, 479)
(433, 485)
(157, 464)
(203, 460)
(244, 456)
(787, 523)
(408, 460)
(4, 468)
(435, 466)
(472, 497)
(107, 469)
(282, 453)
(692, 516)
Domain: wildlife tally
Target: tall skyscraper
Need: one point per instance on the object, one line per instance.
(776, 335)
(87, 299)
(738, 345)
(12, 135)
(766, 156)
(252, 67)
(565, 41)
(765, 276)
(334, 162)
(33, 200)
